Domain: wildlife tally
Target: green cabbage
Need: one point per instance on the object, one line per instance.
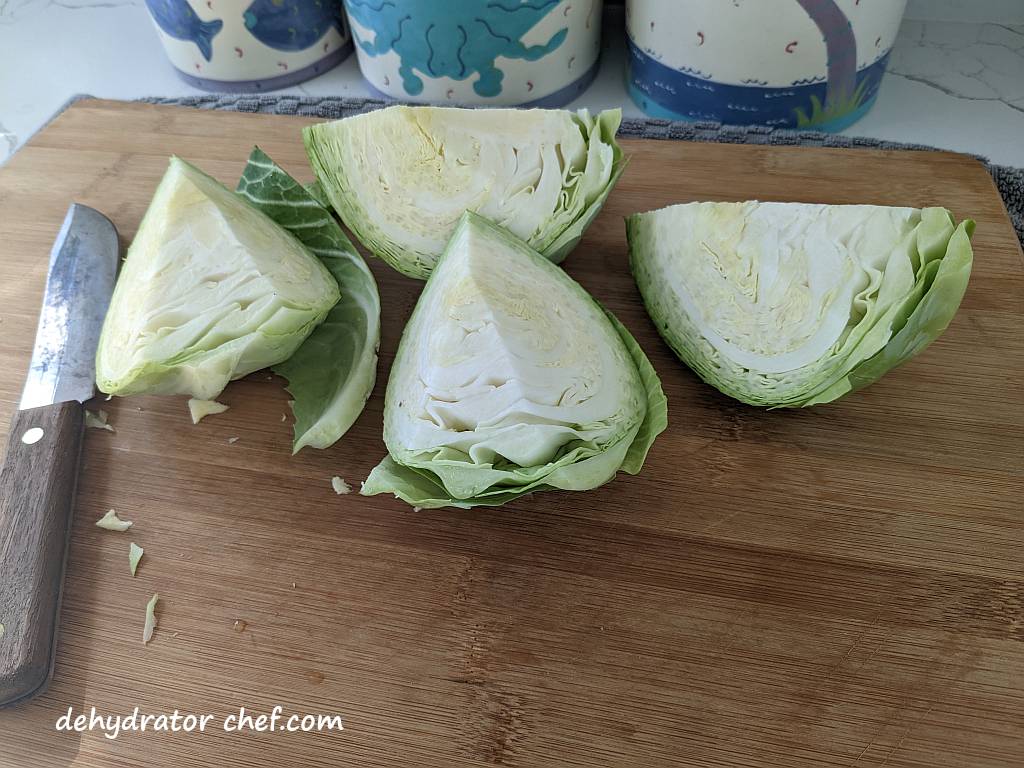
(200, 409)
(333, 372)
(510, 378)
(211, 290)
(111, 522)
(791, 304)
(135, 553)
(400, 178)
(150, 625)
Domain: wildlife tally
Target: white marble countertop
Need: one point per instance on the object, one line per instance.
(956, 77)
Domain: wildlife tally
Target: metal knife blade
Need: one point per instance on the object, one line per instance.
(80, 281)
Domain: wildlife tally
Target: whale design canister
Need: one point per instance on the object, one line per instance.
(251, 45)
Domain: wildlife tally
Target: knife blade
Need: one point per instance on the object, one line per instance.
(40, 469)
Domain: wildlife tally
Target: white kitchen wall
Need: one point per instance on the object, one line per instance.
(956, 77)
(976, 11)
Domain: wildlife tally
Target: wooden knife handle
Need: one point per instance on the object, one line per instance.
(37, 488)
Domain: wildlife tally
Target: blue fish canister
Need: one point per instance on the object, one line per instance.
(496, 52)
(245, 46)
(814, 64)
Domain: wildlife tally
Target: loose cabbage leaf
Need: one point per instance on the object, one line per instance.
(511, 379)
(401, 177)
(332, 374)
(211, 290)
(791, 305)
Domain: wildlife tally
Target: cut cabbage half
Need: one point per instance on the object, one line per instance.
(401, 177)
(211, 290)
(509, 379)
(792, 304)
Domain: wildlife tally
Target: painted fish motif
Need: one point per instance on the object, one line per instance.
(178, 19)
(292, 25)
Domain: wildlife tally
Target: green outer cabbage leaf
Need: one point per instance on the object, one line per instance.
(425, 198)
(447, 477)
(211, 290)
(907, 307)
(332, 374)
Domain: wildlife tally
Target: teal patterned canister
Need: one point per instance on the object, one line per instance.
(497, 52)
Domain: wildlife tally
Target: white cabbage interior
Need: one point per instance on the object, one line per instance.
(504, 362)
(774, 286)
(424, 167)
(205, 268)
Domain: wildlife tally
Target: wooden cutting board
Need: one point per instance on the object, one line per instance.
(841, 586)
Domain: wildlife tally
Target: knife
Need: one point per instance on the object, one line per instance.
(40, 468)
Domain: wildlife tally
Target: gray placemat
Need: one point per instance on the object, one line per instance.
(1009, 180)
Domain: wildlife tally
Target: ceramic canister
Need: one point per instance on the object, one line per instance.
(251, 45)
(497, 52)
(789, 63)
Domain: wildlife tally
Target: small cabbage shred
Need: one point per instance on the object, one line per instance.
(150, 625)
(211, 290)
(111, 522)
(135, 553)
(793, 304)
(332, 374)
(97, 420)
(340, 486)
(510, 379)
(401, 177)
(200, 409)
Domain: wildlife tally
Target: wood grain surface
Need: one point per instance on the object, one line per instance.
(841, 586)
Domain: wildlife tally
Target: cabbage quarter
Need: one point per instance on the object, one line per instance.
(509, 379)
(400, 178)
(212, 289)
(787, 304)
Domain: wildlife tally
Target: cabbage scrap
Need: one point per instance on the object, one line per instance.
(212, 289)
(112, 522)
(147, 630)
(340, 486)
(332, 374)
(135, 553)
(510, 379)
(401, 177)
(792, 304)
(97, 420)
(200, 409)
